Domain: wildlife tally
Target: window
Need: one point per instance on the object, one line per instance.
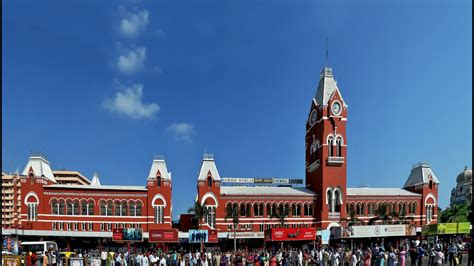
(159, 214)
(75, 226)
(102, 227)
(84, 207)
(103, 208)
(90, 207)
(330, 143)
(158, 181)
(110, 208)
(76, 206)
(32, 209)
(211, 216)
(338, 147)
(83, 226)
(61, 226)
(329, 198)
(32, 178)
(109, 227)
(370, 209)
(118, 208)
(269, 210)
(229, 227)
(209, 181)
(124, 208)
(138, 211)
(68, 226)
(91, 226)
(132, 208)
(258, 210)
(62, 207)
(53, 227)
(242, 210)
(69, 207)
(338, 200)
(54, 207)
(261, 227)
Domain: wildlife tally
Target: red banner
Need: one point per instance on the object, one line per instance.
(212, 236)
(117, 234)
(163, 235)
(290, 234)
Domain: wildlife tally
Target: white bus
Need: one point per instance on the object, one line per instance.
(40, 247)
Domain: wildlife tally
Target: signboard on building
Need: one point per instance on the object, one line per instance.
(261, 180)
(290, 234)
(163, 235)
(127, 234)
(247, 235)
(204, 236)
(325, 235)
(447, 228)
(464, 228)
(374, 231)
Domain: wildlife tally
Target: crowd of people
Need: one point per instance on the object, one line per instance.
(378, 255)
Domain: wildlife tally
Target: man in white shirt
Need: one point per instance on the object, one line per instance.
(103, 257)
(163, 261)
(145, 261)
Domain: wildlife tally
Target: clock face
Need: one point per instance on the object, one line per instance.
(314, 116)
(336, 108)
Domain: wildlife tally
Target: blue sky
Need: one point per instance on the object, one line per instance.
(105, 85)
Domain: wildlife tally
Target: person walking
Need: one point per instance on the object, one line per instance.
(367, 257)
(402, 256)
(452, 252)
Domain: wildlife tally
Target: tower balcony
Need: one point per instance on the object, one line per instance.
(333, 160)
(334, 215)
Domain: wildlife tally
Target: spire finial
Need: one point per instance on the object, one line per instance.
(327, 50)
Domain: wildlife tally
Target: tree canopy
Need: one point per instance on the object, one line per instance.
(456, 213)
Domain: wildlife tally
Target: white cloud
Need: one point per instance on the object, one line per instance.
(133, 22)
(182, 131)
(131, 60)
(129, 102)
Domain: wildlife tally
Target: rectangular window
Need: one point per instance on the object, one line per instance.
(61, 226)
(261, 227)
(159, 214)
(75, 226)
(101, 226)
(109, 227)
(68, 226)
(91, 227)
(54, 226)
(83, 226)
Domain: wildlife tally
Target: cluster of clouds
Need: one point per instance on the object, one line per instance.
(128, 101)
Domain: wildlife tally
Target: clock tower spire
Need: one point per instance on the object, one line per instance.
(326, 145)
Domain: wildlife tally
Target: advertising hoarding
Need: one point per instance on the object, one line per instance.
(244, 235)
(127, 234)
(290, 234)
(374, 231)
(261, 180)
(447, 228)
(163, 235)
(464, 228)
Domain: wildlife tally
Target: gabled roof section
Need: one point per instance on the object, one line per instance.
(326, 88)
(208, 166)
(365, 191)
(41, 167)
(421, 173)
(159, 166)
(95, 180)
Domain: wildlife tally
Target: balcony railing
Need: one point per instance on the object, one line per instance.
(334, 215)
(335, 160)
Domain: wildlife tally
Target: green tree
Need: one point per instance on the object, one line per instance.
(381, 214)
(352, 219)
(199, 211)
(233, 213)
(456, 213)
(281, 215)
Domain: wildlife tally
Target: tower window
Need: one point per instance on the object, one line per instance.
(209, 181)
(330, 143)
(158, 181)
(339, 147)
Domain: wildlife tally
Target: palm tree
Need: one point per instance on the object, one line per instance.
(200, 211)
(381, 215)
(233, 213)
(352, 219)
(281, 215)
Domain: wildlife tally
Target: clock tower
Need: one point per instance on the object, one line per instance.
(326, 153)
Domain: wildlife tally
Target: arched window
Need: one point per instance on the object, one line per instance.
(256, 211)
(110, 208)
(362, 209)
(76, 206)
(274, 209)
(32, 178)
(90, 208)
(132, 208)
(209, 181)
(211, 216)
(311, 209)
(54, 207)
(338, 200)
(329, 198)
(298, 210)
(242, 210)
(103, 208)
(32, 206)
(84, 207)
(330, 144)
(138, 211)
(287, 209)
(70, 207)
(338, 147)
(124, 208)
(158, 181)
(248, 210)
(269, 210)
(62, 207)
(431, 184)
(281, 209)
(293, 209)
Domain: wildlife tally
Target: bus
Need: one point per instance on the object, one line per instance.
(39, 247)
